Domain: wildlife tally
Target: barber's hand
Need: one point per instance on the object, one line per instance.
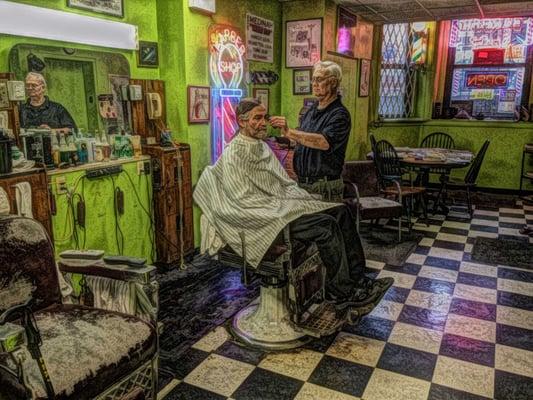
(279, 122)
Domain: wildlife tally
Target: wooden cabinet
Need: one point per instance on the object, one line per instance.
(39, 194)
(171, 180)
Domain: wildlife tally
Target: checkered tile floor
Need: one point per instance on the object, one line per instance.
(448, 329)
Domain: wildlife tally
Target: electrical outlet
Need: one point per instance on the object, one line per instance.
(61, 185)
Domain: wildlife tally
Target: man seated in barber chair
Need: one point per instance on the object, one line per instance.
(247, 196)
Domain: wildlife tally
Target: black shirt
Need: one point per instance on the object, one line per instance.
(49, 113)
(334, 123)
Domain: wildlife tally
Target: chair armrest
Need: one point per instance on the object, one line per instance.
(143, 275)
(355, 189)
(394, 181)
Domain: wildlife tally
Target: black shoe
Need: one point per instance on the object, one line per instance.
(359, 298)
(380, 287)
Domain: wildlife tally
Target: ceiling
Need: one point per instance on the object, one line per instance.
(386, 11)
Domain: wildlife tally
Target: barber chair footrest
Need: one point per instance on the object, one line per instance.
(323, 320)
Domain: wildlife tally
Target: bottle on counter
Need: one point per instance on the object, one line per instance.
(99, 152)
(56, 156)
(72, 150)
(106, 148)
(64, 155)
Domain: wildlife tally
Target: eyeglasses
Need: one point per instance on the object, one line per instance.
(320, 79)
(32, 85)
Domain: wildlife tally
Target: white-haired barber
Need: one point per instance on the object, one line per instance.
(38, 111)
(322, 137)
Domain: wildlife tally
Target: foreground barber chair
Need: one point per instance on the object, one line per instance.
(50, 350)
(291, 309)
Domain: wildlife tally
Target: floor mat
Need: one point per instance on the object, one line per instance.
(381, 244)
(513, 252)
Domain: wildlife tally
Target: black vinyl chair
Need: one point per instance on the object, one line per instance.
(390, 170)
(469, 181)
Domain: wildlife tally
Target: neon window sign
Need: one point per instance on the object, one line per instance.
(226, 67)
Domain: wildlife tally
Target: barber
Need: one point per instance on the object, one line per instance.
(39, 111)
(322, 137)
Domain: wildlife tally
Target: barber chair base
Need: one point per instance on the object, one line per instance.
(267, 324)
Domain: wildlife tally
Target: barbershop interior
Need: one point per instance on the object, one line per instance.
(266, 199)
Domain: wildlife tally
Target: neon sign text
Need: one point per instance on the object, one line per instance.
(486, 80)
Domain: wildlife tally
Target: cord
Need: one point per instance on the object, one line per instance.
(179, 160)
(118, 230)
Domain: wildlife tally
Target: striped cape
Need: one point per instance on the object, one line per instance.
(247, 190)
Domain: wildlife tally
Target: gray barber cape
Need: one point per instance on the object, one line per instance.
(247, 190)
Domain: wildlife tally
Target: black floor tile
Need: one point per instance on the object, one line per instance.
(507, 273)
(474, 309)
(372, 327)
(442, 263)
(341, 375)
(406, 361)
(486, 217)
(467, 349)
(510, 225)
(236, 352)
(467, 256)
(470, 240)
(484, 228)
(454, 231)
(188, 361)
(428, 234)
(321, 345)
(397, 294)
(514, 336)
(509, 386)
(511, 215)
(422, 317)
(406, 268)
(263, 384)
(438, 392)
(433, 285)
(422, 250)
(444, 244)
(184, 391)
(477, 280)
(515, 300)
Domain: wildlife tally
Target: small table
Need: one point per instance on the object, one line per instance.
(424, 159)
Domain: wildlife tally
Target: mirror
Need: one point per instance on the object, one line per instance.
(76, 78)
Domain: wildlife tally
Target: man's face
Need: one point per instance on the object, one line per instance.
(323, 83)
(34, 87)
(256, 125)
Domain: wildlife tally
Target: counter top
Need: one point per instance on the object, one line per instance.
(94, 165)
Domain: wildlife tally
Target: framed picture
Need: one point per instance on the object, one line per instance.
(204, 6)
(148, 55)
(199, 102)
(111, 7)
(301, 81)
(262, 95)
(364, 33)
(304, 43)
(346, 32)
(364, 78)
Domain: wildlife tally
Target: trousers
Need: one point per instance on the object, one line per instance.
(339, 245)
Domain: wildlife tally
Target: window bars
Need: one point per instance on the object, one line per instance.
(397, 83)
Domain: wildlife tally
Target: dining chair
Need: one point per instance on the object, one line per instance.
(468, 182)
(437, 140)
(390, 170)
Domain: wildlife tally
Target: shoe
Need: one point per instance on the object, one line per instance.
(526, 230)
(381, 286)
(359, 298)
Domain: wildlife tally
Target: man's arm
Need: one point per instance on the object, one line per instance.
(307, 139)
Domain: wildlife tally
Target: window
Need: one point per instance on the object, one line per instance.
(488, 74)
(403, 48)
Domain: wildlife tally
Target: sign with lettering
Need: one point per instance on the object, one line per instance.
(259, 38)
(226, 61)
(487, 80)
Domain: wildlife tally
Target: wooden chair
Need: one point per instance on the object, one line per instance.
(391, 172)
(363, 196)
(438, 140)
(468, 182)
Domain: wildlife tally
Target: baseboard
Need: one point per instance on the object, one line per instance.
(509, 192)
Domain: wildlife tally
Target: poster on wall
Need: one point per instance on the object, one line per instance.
(259, 38)
(262, 94)
(346, 31)
(301, 81)
(198, 100)
(364, 78)
(304, 43)
(111, 7)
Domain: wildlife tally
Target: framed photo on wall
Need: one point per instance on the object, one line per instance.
(301, 81)
(148, 55)
(364, 78)
(198, 104)
(111, 7)
(304, 43)
(346, 32)
(262, 94)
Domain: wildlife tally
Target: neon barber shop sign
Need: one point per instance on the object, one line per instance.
(226, 61)
(486, 80)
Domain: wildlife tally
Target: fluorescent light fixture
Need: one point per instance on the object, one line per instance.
(45, 23)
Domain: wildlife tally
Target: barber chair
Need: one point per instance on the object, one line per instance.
(291, 309)
(50, 350)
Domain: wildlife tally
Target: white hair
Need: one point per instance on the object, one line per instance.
(332, 69)
(37, 76)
